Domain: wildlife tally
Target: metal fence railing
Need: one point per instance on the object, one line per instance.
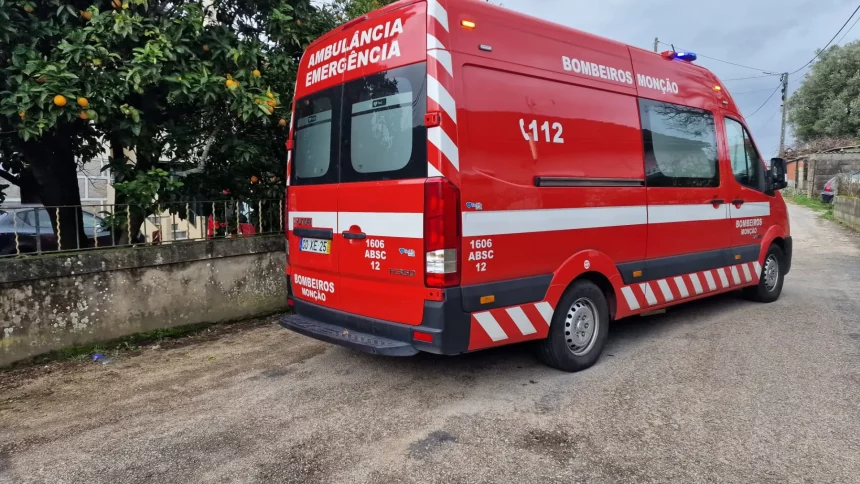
(37, 229)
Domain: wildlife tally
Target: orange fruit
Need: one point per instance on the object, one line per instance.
(272, 103)
(230, 84)
(271, 110)
(282, 122)
(60, 100)
(205, 48)
(83, 115)
(298, 22)
(256, 101)
(86, 15)
(254, 179)
(116, 3)
(256, 73)
(22, 115)
(28, 9)
(271, 96)
(83, 102)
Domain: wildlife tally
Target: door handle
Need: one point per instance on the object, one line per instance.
(353, 235)
(717, 201)
(737, 202)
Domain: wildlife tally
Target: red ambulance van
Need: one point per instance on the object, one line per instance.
(463, 177)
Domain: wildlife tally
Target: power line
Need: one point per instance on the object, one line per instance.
(753, 77)
(749, 92)
(847, 32)
(831, 41)
(766, 101)
(723, 61)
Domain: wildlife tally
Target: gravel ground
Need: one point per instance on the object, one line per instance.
(721, 390)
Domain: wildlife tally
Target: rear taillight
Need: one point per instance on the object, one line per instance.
(441, 233)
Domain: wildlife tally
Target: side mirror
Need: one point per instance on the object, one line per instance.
(778, 173)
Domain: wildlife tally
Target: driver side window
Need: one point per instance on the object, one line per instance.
(747, 165)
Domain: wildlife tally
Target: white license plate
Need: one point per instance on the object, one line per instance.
(317, 246)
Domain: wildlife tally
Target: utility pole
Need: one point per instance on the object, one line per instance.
(656, 44)
(784, 114)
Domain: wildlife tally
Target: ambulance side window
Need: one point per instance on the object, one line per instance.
(680, 145)
(747, 165)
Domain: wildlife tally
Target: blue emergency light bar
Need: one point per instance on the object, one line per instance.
(680, 55)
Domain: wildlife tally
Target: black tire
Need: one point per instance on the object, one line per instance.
(555, 351)
(762, 292)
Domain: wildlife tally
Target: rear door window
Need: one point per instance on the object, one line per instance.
(315, 150)
(370, 129)
(384, 135)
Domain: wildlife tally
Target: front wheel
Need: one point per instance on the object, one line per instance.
(579, 329)
(771, 278)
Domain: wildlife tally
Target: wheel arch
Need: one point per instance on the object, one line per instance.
(591, 265)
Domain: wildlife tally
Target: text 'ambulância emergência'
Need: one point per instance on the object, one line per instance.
(355, 53)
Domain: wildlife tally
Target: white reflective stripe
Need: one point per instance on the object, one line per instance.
(661, 214)
(432, 171)
(433, 43)
(682, 288)
(322, 220)
(632, 302)
(735, 275)
(444, 58)
(440, 140)
(723, 279)
(649, 294)
(435, 10)
(710, 278)
(545, 310)
(667, 291)
(747, 274)
(751, 209)
(437, 92)
(757, 268)
(502, 222)
(383, 224)
(491, 326)
(697, 285)
(521, 320)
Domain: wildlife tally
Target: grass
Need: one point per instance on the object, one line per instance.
(825, 209)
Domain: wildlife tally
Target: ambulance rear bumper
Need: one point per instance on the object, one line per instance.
(444, 321)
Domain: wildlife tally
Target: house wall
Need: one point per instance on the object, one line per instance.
(823, 167)
(53, 302)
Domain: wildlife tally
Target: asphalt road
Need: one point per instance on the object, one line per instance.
(720, 390)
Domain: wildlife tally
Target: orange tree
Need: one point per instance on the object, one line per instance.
(195, 88)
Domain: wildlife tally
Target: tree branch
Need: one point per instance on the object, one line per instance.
(201, 164)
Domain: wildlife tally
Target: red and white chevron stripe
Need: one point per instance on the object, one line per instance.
(443, 154)
(642, 296)
(513, 324)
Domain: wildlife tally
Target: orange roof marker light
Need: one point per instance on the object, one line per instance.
(468, 24)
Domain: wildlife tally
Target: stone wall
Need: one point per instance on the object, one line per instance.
(824, 166)
(847, 211)
(52, 302)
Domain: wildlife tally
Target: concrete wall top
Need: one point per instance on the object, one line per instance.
(113, 259)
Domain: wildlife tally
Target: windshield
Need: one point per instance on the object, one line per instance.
(370, 129)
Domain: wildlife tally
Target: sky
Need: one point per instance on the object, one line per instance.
(773, 35)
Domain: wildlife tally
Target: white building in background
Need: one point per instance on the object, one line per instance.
(94, 185)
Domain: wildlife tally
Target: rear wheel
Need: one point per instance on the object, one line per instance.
(771, 278)
(579, 328)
